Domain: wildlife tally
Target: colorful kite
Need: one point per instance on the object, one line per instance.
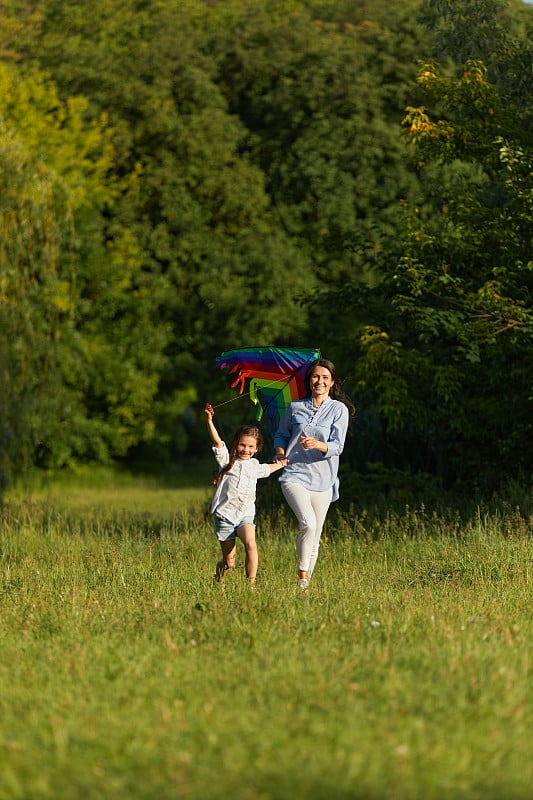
(276, 376)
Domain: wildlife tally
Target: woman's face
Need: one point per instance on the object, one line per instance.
(321, 382)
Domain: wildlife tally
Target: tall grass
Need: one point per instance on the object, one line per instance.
(404, 672)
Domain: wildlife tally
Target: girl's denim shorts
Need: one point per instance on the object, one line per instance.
(226, 530)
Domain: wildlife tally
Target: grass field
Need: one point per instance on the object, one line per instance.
(404, 672)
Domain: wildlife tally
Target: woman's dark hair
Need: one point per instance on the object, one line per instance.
(244, 430)
(336, 391)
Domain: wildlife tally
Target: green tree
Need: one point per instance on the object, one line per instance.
(321, 87)
(448, 356)
(79, 359)
(225, 271)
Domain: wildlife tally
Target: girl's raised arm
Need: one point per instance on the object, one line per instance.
(213, 433)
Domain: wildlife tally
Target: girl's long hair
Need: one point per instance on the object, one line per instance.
(336, 392)
(244, 430)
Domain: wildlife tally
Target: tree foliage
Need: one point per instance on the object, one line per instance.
(255, 141)
(449, 353)
(322, 117)
(182, 177)
(74, 382)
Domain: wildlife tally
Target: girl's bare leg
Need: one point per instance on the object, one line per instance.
(228, 559)
(246, 534)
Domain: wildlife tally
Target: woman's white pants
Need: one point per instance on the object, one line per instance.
(310, 509)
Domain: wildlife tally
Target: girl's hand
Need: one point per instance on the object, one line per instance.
(209, 411)
(309, 442)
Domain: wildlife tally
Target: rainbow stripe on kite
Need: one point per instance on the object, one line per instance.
(276, 376)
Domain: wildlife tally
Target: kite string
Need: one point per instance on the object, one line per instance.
(231, 401)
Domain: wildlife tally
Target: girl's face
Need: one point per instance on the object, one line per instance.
(246, 447)
(320, 382)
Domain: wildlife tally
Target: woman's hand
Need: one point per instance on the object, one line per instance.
(310, 443)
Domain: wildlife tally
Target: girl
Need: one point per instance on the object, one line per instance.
(312, 432)
(233, 504)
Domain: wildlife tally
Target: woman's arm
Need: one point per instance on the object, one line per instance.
(338, 431)
(310, 443)
(337, 434)
(283, 434)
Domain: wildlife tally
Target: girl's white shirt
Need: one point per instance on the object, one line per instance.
(234, 497)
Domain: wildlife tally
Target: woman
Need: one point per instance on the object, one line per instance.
(311, 436)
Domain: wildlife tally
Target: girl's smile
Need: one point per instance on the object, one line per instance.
(246, 447)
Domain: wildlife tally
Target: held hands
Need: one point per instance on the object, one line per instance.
(279, 461)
